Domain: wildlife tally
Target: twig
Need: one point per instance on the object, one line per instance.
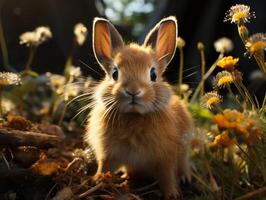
(71, 163)
(93, 189)
(254, 194)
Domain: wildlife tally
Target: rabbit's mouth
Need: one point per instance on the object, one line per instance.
(132, 107)
(133, 102)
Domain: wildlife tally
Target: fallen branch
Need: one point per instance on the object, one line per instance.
(12, 137)
(254, 194)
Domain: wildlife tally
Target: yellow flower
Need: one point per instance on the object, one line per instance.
(224, 140)
(228, 63)
(243, 125)
(211, 99)
(223, 45)
(8, 78)
(256, 43)
(239, 13)
(223, 79)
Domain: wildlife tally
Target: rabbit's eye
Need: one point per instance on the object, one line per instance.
(153, 74)
(115, 73)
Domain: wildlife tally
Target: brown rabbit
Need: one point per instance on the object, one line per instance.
(137, 122)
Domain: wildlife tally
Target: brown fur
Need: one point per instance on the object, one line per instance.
(150, 138)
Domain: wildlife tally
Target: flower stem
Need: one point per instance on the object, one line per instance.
(233, 96)
(259, 56)
(204, 78)
(1, 106)
(3, 45)
(181, 68)
(30, 59)
(62, 115)
(252, 102)
(203, 69)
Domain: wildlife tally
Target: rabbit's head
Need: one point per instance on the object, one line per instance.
(133, 73)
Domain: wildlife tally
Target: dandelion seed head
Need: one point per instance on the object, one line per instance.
(180, 42)
(43, 33)
(7, 105)
(9, 78)
(56, 80)
(74, 71)
(70, 91)
(239, 13)
(211, 99)
(80, 32)
(223, 45)
(36, 37)
(223, 79)
(228, 63)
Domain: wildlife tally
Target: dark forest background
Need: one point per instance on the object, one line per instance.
(197, 20)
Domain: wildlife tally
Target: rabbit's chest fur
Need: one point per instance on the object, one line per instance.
(136, 140)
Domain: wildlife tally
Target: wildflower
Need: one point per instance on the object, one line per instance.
(239, 13)
(80, 32)
(256, 43)
(71, 91)
(56, 80)
(7, 106)
(228, 63)
(9, 78)
(74, 71)
(223, 45)
(228, 119)
(44, 110)
(68, 91)
(87, 83)
(36, 37)
(184, 88)
(224, 140)
(249, 130)
(211, 99)
(200, 46)
(43, 33)
(223, 79)
(245, 127)
(180, 42)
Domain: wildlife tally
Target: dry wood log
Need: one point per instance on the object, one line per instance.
(12, 137)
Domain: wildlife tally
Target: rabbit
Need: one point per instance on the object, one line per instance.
(136, 121)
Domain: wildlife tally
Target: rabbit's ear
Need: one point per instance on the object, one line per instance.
(162, 38)
(105, 39)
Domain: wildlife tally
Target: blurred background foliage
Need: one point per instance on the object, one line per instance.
(197, 20)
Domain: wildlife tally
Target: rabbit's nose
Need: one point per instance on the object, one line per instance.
(133, 94)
